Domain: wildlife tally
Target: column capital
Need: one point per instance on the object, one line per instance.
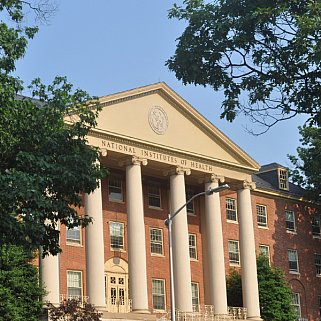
(133, 160)
(103, 152)
(212, 178)
(178, 170)
(248, 185)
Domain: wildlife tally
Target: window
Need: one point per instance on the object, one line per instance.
(283, 179)
(190, 206)
(116, 230)
(316, 224)
(192, 246)
(317, 262)
(296, 303)
(293, 261)
(265, 250)
(195, 296)
(73, 235)
(156, 241)
(233, 252)
(290, 221)
(154, 196)
(261, 215)
(231, 209)
(74, 284)
(115, 189)
(319, 303)
(158, 292)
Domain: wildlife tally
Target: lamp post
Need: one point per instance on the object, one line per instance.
(168, 223)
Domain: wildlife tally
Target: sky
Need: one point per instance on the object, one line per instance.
(108, 46)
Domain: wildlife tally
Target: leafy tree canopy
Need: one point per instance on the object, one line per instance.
(20, 293)
(269, 51)
(45, 163)
(275, 294)
(307, 163)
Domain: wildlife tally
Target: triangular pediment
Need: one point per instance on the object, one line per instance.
(156, 116)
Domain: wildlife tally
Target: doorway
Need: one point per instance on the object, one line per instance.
(116, 285)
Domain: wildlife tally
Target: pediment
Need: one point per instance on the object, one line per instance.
(158, 117)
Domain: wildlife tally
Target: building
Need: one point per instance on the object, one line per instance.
(160, 151)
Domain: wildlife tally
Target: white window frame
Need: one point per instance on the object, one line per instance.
(154, 241)
(195, 296)
(261, 215)
(283, 179)
(265, 250)
(192, 247)
(69, 272)
(231, 205)
(71, 239)
(296, 303)
(236, 254)
(287, 222)
(296, 260)
(155, 196)
(317, 263)
(111, 179)
(157, 294)
(122, 230)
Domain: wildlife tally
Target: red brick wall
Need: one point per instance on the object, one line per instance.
(279, 241)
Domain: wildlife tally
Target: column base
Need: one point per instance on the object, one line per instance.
(255, 318)
(141, 311)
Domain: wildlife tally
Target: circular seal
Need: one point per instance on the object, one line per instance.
(158, 120)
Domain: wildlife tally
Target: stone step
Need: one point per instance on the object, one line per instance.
(109, 316)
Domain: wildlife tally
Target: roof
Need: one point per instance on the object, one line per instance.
(267, 178)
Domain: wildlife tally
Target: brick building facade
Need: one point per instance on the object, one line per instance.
(165, 131)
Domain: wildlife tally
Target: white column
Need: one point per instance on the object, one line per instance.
(216, 266)
(248, 256)
(136, 236)
(181, 259)
(50, 280)
(95, 249)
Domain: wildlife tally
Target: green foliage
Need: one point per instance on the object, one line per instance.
(234, 289)
(20, 294)
(275, 294)
(308, 162)
(268, 50)
(45, 161)
(72, 310)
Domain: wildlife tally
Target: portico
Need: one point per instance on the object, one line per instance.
(152, 134)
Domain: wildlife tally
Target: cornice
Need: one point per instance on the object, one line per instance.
(281, 195)
(118, 100)
(169, 150)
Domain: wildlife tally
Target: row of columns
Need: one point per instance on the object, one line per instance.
(182, 271)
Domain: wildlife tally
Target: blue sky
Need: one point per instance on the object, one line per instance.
(107, 46)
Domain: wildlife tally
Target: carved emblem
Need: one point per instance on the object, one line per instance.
(158, 120)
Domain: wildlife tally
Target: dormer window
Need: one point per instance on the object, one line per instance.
(283, 179)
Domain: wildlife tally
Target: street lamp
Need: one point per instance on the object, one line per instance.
(168, 223)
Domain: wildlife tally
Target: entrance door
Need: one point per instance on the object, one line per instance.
(117, 293)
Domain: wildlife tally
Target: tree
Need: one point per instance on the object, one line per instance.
(308, 162)
(234, 289)
(269, 51)
(20, 293)
(45, 163)
(275, 295)
(72, 310)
